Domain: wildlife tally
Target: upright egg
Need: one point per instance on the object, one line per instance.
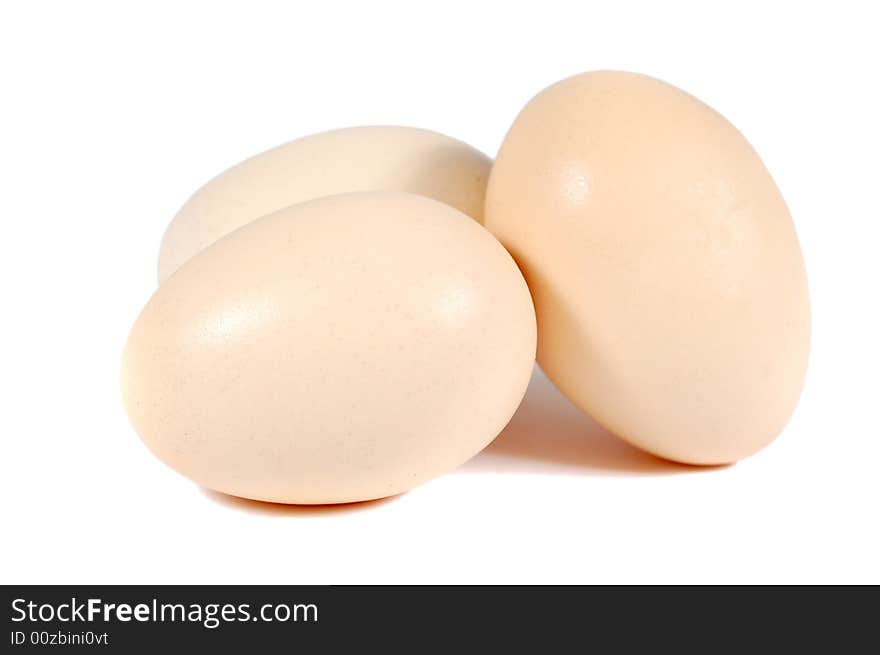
(341, 161)
(343, 349)
(667, 277)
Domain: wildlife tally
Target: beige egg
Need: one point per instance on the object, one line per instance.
(343, 349)
(341, 161)
(667, 276)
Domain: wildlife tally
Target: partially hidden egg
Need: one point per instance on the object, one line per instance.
(666, 273)
(343, 349)
(370, 158)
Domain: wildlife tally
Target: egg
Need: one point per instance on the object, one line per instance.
(343, 349)
(352, 159)
(666, 273)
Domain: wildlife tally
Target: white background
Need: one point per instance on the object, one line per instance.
(113, 113)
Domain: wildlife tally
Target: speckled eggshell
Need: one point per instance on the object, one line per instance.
(372, 158)
(344, 349)
(667, 277)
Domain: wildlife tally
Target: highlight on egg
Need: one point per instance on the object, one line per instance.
(370, 158)
(667, 276)
(342, 349)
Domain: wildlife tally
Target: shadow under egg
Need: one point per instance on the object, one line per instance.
(548, 434)
(282, 509)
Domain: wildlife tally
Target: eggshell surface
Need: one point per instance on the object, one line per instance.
(667, 277)
(343, 349)
(380, 158)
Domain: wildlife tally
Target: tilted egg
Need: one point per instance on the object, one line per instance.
(667, 277)
(343, 349)
(352, 159)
